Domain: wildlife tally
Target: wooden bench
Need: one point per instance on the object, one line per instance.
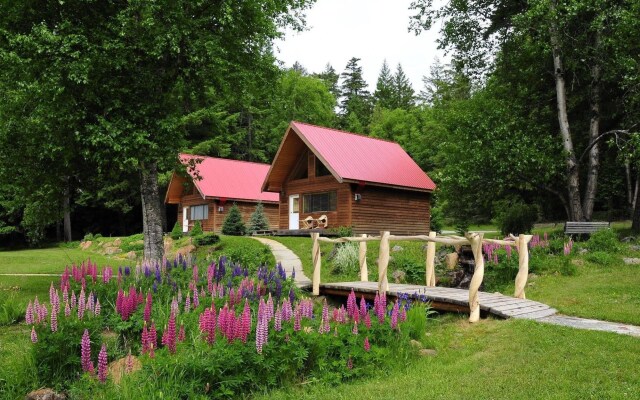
(584, 228)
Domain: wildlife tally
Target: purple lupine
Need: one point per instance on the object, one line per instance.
(54, 320)
(187, 303)
(277, 319)
(246, 321)
(262, 327)
(85, 352)
(324, 323)
(67, 309)
(171, 334)
(174, 306)
(181, 334)
(42, 313)
(129, 363)
(394, 316)
(367, 320)
(34, 335)
(297, 319)
(196, 299)
(147, 308)
(381, 307)
(28, 318)
(97, 308)
(211, 325)
(81, 304)
(292, 296)
(367, 346)
(287, 312)
(351, 304)
(102, 363)
(363, 306)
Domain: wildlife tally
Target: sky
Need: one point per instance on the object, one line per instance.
(371, 30)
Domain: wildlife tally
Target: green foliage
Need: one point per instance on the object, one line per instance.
(206, 239)
(246, 252)
(355, 104)
(233, 224)
(196, 230)
(602, 258)
(411, 261)
(346, 258)
(416, 325)
(552, 264)
(176, 232)
(132, 243)
(516, 218)
(343, 231)
(604, 240)
(11, 311)
(258, 220)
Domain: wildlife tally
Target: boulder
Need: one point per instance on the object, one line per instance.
(45, 394)
(451, 260)
(631, 261)
(131, 255)
(116, 243)
(628, 239)
(415, 344)
(399, 276)
(112, 250)
(634, 247)
(428, 352)
(396, 248)
(86, 245)
(188, 249)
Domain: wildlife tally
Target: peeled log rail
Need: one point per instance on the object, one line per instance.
(474, 239)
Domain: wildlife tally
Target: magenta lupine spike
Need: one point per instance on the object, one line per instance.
(147, 308)
(67, 309)
(287, 312)
(34, 335)
(81, 304)
(355, 328)
(297, 319)
(85, 351)
(102, 364)
(129, 363)
(56, 301)
(381, 307)
(376, 304)
(277, 319)
(325, 318)
(394, 316)
(28, 318)
(181, 334)
(119, 302)
(403, 314)
(65, 294)
(90, 302)
(196, 299)
(145, 338)
(363, 306)
(367, 346)
(175, 308)
(97, 308)
(42, 313)
(262, 327)
(351, 304)
(335, 315)
(246, 321)
(211, 325)
(153, 336)
(54, 320)
(367, 321)
(52, 292)
(36, 305)
(269, 309)
(171, 334)
(187, 303)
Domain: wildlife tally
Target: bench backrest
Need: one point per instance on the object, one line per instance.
(571, 227)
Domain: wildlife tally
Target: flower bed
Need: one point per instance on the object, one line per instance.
(222, 331)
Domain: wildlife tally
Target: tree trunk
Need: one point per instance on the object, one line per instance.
(151, 212)
(630, 194)
(66, 210)
(594, 132)
(573, 176)
(635, 221)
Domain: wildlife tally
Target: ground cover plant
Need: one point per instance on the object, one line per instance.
(220, 331)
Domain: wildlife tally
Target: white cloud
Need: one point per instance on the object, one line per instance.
(368, 29)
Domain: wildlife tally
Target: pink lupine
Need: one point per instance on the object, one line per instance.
(195, 273)
(269, 309)
(81, 304)
(42, 313)
(153, 335)
(181, 334)
(34, 335)
(54, 320)
(74, 300)
(277, 320)
(102, 364)
(351, 304)
(367, 320)
(129, 363)
(196, 299)
(97, 308)
(65, 294)
(367, 346)
(175, 308)
(297, 319)
(363, 306)
(324, 323)
(179, 296)
(171, 334)
(147, 308)
(67, 309)
(246, 321)
(187, 303)
(394, 316)
(355, 328)
(262, 327)
(52, 292)
(145, 338)
(28, 318)
(211, 325)
(287, 312)
(56, 301)
(85, 352)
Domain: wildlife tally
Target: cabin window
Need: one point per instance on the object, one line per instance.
(319, 202)
(321, 170)
(199, 212)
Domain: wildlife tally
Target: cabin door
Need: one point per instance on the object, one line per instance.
(185, 220)
(294, 211)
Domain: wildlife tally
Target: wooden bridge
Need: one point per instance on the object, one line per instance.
(446, 299)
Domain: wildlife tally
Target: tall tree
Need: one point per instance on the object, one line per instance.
(355, 106)
(143, 70)
(330, 77)
(384, 93)
(403, 93)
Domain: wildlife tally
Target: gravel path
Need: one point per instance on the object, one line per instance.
(288, 259)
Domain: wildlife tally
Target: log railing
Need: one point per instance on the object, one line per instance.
(474, 239)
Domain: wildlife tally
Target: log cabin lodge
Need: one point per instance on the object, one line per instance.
(320, 177)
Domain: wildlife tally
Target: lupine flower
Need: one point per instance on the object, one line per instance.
(363, 306)
(52, 292)
(196, 300)
(394, 316)
(277, 322)
(28, 318)
(145, 338)
(34, 335)
(367, 346)
(246, 321)
(349, 363)
(181, 334)
(54, 320)
(324, 323)
(367, 320)
(171, 334)
(152, 352)
(292, 295)
(153, 335)
(287, 312)
(81, 304)
(74, 300)
(351, 304)
(85, 352)
(297, 319)
(147, 308)
(129, 363)
(403, 314)
(262, 327)
(355, 328)
(269, 308)
(102, 364)
(97, 308)
(187, 303)
(67, 309)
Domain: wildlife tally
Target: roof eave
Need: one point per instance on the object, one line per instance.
(414, 189)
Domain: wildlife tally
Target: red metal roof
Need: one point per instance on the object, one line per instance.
(362, 158)
(230, 179)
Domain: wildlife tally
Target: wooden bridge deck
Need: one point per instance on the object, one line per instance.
(449, 299)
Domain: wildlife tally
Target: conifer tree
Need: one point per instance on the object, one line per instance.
(356, 99)
(233, 224)
(258, 220)
(402, 91)
(330, 78)
(384, 94)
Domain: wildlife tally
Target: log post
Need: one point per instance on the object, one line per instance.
(364, 274)
(383, 262)
(523, 262)
(317, 261)
(478, 274)
(431, 255)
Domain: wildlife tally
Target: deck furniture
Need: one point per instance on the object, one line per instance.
(308, 222)
(584, 228)
(322, 222)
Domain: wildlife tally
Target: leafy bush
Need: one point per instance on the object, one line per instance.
(197, 229)
(206, 239)
(436, 220)
(602, 258)
(258, 220)
(342, 231)
(249, 254)
(176, 232)
(411, 263)
(604, 240)
(517, 218)
(10, 310)
(552, 264)
(132, 243)
(233, 224)
(417, 321)
(346, 258)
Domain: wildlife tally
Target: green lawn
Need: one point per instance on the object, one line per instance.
(501, 360)
(50, 260)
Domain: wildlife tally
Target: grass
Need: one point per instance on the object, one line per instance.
(501, 360)
(49, 260)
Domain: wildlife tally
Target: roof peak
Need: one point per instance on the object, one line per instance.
(348, 133)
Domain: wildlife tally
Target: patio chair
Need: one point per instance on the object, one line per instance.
(308, 222)
(322, 221)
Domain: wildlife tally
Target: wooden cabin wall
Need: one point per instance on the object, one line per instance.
(246, 209)
(196, 200)
(402, 212)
